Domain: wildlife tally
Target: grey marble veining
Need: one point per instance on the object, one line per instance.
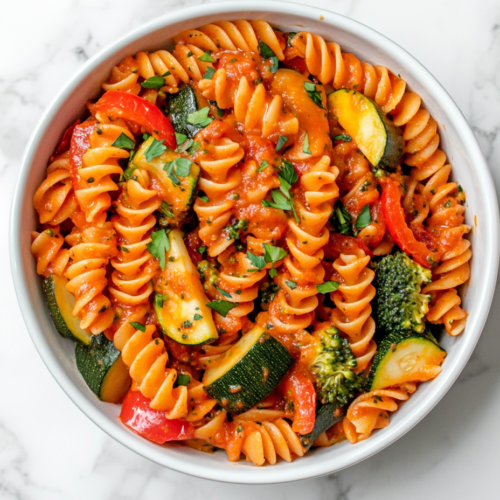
(50, 451)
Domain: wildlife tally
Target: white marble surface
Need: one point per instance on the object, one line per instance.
(49, 450)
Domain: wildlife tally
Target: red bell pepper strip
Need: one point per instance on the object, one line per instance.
(299, 389)
(65, 141)
(80, 142)
(400, 232)
(339, 243)
(137, 415)
(136, 109)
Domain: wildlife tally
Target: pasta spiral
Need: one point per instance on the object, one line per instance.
(218, 180)
(234, 35)
(134, 266)
(291, 309)
(253, 106)
(243, 287)
(99, 163)
(54, 200)
(146, 357)
(47, 249)
(261, 435)
(92, 247)
(370, 411)
(352, 316)
(125, 76)
(447, 222)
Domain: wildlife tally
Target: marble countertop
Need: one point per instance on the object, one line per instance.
(49, 450)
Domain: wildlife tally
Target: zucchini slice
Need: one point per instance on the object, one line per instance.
(181, 309)
(61, 303)
(326, 416)
(103, 369)
(375, 134)
(178, 196)
(248, 371)
(181, 105)
(408, 359)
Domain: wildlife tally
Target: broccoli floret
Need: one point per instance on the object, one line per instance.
(333, 368)
(399, 306)
(235, 229)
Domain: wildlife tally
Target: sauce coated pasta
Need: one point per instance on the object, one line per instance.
(254, 241)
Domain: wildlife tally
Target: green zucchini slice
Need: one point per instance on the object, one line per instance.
(181, 309)
(181, 105)
(326, 416)
(61, 303)
(248, 371)
(103, 369)
(177, 192)
(373, 131)
(405, 359)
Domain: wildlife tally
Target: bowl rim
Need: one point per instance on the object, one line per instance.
(266, 475)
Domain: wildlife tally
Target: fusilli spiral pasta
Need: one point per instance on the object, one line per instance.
(54, 200)
(370, 411)
(147, 357)
(99, 163)
(352, 316)
(134, 266)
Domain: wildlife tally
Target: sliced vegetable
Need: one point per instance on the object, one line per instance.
(136, 109)
(183, 299)
(405, 359)
(175, 188)
(248, 371)
(181, 105)
(374, 132)
(396, 223)
(151, 424)
(326, 416)
(299, 390)
(61, 303)
(103, 370)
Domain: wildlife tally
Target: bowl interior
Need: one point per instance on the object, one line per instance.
(457, 141)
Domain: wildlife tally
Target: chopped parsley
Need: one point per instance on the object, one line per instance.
(155, 82)
(291, 284)
(160, 299)
(138, 326)
(221, 306)
(206, 57)
(306, 149)
(263, 165)
(327, 287)
(156, 148)
(281, 142)
(200, 117)
(343, 137)
(364, 218)
(267, 53)
(209, 73)
(159, 246)
(124, 142)
(314, 94)
(223, 292)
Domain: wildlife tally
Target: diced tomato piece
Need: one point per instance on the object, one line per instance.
(136, 109)
(137, 415)
(299, 389)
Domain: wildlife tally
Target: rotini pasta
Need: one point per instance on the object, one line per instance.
(253, 262)
(134, 266)
(352, 316)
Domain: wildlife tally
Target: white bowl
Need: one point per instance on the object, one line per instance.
(457, 139)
